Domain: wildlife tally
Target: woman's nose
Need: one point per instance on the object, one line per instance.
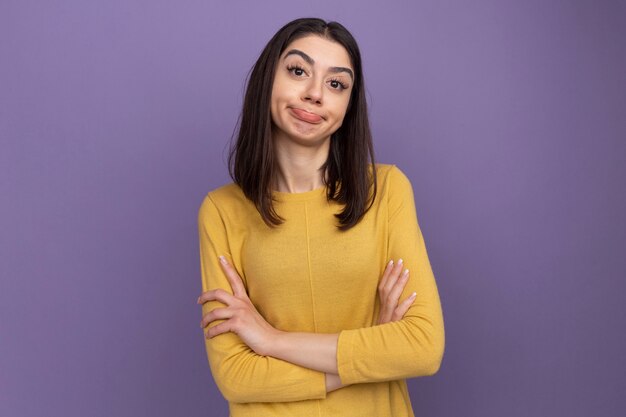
(313, 92)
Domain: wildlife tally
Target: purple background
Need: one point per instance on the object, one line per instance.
(508, 117)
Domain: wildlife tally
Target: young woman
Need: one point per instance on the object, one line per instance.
(306, 313)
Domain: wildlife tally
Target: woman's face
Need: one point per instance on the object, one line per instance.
(311, 92)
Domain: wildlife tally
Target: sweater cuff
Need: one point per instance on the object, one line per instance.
(345, 365)
(318, 389)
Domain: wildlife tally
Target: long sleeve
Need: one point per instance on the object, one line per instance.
(241, 374)
(414, 345)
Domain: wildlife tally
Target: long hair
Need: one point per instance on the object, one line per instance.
(350, 175)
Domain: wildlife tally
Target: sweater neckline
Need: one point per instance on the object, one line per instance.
(304, 196)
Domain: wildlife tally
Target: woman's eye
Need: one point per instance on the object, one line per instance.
(338, 85)
(297, 71)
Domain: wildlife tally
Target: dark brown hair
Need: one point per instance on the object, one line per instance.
(252, 161)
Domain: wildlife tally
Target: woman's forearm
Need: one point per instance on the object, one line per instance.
(315, 351)
(309, 350)
(333, 382)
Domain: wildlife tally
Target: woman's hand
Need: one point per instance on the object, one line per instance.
(240, 315)
(390, 288)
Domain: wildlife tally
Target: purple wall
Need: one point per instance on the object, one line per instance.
(509, 118)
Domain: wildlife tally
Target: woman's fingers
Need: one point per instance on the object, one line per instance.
(387, 283)
(217, 295)
(216, 314)
(389, 278)
(224, 327)
(233, 278)
(239, 316)
(393, 297)
(403, 307)
(394, 275)
(390, 289)
(385, 277)
(390, 275)
(236, 284)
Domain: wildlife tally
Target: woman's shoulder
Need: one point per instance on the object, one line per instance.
(226, 197)
(383, 169)
(226, 191)
(394, 187)
(386, 173)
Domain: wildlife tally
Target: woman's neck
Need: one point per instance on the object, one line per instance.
(299, 166)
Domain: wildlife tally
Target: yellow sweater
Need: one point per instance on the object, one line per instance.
(307, 276)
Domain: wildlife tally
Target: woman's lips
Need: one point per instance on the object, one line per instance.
(306, 116)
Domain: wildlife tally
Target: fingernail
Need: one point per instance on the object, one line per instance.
(413, 295)
(406, 272)
(390, 263)
(223, 260)
(400, 261)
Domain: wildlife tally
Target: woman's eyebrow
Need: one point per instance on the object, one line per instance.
(311, 62)
(304, 56)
